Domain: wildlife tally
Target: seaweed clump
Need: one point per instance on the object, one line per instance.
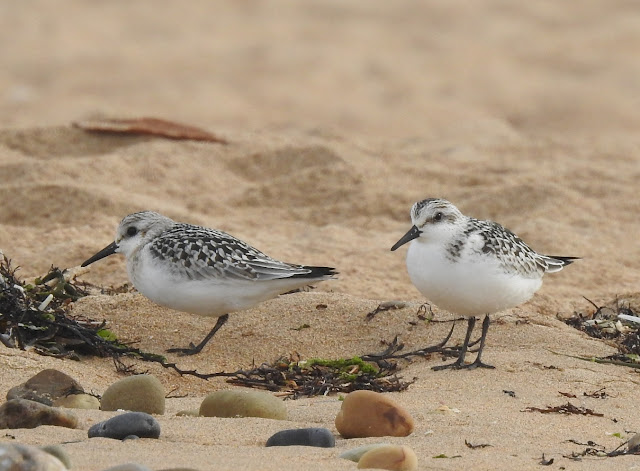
(36, 316)
(618, 323)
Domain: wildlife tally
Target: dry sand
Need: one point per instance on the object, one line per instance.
(339, 115)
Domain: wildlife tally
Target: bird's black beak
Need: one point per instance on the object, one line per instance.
(108, 250)
(413, 233)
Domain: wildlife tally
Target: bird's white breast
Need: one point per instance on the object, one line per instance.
(472, 283)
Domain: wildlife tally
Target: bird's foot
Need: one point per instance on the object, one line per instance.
(458, 365)
(190, 350)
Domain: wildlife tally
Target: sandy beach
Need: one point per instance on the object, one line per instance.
(339, 116)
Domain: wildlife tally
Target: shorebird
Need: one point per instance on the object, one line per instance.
(471, 267)
(201, 271)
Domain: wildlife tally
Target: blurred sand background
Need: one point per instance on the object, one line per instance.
(339, 116)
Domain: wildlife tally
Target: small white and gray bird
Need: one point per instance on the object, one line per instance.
(201, 271)
(471, 267)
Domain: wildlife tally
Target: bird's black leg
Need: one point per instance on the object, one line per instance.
(459, 363)
(193, 349)
(478, 363)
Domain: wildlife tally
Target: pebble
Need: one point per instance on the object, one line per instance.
(140, 393)
(130, 423)
(58, 452)
(45, 387)
(391, 457)
(372, 414)
(78, 401)
(232, 403)
(19, 457)
(320, 437)
(356, 453)
(188, 413)
(22, 413)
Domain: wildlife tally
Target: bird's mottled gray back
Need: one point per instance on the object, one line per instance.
(203, 253)
(513, 253)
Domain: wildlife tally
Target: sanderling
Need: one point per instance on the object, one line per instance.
(201, 271)
(471, 267)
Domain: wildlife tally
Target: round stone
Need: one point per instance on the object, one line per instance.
(232, 403)
(58, 452)
(320, 437)
(356, 453)
(16, 456)
(140, 393)
(130, 423)
(78, 401)
(45, 387)
(391, 457)
(22, 413)
(372, 414)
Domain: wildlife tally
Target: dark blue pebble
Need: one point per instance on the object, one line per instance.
(321, 437)
(130, 423)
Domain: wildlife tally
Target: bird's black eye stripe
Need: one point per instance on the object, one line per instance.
(438, 217)
(132, 230)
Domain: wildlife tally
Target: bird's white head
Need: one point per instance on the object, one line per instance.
(134, 231)
(434, 220)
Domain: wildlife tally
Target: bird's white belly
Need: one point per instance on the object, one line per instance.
(470, 285)
(207, 297)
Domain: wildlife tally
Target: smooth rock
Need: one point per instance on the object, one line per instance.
(356, 453)
(78, 401)
(128, 467)
(372, 414)
(320, 437)
(634, 443)
(140, 393)
(45, 387)
(19, 457)
(233, 403)
(22, 413)
(188, 413)
(130, 423)
(391, 457)
(58, 452)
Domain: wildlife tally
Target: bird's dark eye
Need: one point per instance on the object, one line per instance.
(131, 231)
(438, 217)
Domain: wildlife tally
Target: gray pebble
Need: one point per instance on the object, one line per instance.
(320, 437)
(356, 453)
(123, 425)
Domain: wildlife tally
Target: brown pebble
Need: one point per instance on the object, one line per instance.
(372, 414)
(22, 413)
(45, 387)
(391, 457)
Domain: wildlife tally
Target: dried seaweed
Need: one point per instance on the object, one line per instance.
(604, 323)
(567, 408)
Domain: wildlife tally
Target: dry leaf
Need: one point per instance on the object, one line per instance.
(149, 126)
